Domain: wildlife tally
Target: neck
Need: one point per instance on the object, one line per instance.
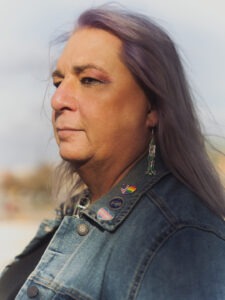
(101, 176)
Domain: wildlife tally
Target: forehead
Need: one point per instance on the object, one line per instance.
(90, 45)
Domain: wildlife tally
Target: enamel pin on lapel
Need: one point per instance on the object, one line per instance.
(128, 189)
(104, 214)
(116, 203)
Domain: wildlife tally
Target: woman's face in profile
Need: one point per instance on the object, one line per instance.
(99, 111)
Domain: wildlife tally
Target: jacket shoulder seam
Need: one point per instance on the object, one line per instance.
(160, 203)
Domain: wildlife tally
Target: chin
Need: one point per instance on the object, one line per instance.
(75, 155)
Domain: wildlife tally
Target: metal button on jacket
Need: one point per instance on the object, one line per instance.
(32, 291)
(82, 229)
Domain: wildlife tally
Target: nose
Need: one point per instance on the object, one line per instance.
(64, 98)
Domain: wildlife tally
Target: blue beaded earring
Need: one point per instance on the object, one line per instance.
(151, 156)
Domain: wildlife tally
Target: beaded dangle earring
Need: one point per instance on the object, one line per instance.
(151, 156)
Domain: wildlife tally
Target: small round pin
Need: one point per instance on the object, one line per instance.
(116, 203)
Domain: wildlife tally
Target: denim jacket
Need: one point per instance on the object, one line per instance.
(153, 239)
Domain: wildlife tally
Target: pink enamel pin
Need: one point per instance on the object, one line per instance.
(104, 214)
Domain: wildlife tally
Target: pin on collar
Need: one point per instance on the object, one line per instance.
(116, 203)
(128, 189)
(104, 214)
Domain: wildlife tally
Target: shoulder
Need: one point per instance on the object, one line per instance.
(190, 264)
(182, 208)
(189, 259)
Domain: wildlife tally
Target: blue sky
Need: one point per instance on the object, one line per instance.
(28, 26)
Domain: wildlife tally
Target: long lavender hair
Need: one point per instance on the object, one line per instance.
(151, 56)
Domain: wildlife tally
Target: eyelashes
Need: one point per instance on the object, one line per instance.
(84, 81)
(90, 80)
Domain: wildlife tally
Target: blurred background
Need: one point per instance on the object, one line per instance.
(28, 152)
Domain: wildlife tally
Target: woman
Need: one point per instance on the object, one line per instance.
(148, 224)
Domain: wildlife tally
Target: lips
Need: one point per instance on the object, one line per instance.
(64, 133)
(67, 128)
(63, 126)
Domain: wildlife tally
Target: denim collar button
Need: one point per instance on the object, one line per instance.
(82, 229)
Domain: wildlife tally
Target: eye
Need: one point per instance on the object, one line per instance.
(90, 80)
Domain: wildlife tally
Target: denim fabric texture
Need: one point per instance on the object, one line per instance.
(162, 243)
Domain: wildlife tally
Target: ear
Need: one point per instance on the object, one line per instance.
(152, 118)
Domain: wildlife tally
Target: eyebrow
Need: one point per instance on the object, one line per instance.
(78, 69)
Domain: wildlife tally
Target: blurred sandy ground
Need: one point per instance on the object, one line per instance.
(25, 200)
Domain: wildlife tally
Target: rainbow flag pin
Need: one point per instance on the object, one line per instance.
(128, 189)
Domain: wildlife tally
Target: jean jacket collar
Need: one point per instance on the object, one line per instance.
(113, 208)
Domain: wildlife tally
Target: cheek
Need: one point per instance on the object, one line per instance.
(113, 111)
(98, 123)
